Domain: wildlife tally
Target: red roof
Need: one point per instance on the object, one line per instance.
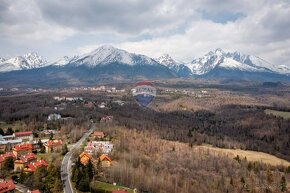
(51, 143)
(23, 147)
(98, 134)
(6, 155)
(86, 155)
(27, 158)
(33, 165)
(104, 157)
(23, 133)
(6, 186)
(120, 191)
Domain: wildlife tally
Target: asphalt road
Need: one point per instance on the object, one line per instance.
(66, 165)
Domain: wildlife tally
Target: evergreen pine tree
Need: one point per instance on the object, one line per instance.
(84, 184)
(1, 131)
(90, 170)
(189, 134)
(283, 184)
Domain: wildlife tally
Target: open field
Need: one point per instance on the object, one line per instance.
(108, 187)
(285, 115)
(252, 156)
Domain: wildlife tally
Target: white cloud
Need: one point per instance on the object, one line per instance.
(177, 27)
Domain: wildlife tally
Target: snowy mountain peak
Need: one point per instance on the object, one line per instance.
(219, 51)
(178, 67)
(108, 55)
(27, 61)
(166, 60)
(34, 60)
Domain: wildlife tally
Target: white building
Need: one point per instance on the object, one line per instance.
(53, 117)
(102, 105)
(93, 147)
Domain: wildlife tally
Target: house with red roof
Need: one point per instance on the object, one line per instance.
(7, 186)
(24, 135)
(22, 149)
(31, 167)
(53, 145)
(4, 156)
(85, 158)
(98, 134)
(23, 161)
(105, 161)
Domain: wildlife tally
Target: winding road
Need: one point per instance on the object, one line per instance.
(66, 164)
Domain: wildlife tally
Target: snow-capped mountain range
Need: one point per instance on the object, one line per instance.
(28, 61)
(233, 61)
(224, 60)
(214, 62)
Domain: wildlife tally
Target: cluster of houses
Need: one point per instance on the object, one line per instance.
(196, 94)
(97, 151)
(8, 141)
(97, 88)
(20, 147)
(25, 160)
(64, 98)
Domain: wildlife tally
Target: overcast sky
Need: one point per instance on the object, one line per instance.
(185, 29)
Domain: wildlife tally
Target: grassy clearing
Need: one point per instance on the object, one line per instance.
(285, 115)
(253, 156)
(109, 187)
(50, 157)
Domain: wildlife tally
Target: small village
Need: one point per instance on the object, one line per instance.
(24, 153)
